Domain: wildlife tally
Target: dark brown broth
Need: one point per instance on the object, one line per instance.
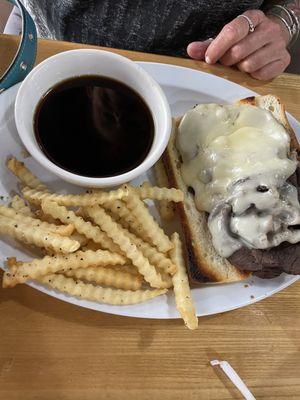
(94, 126)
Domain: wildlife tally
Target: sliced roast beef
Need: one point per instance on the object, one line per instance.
(265, 263)
(268, 273)
(272, 262)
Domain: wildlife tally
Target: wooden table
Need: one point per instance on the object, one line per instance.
(53, 350)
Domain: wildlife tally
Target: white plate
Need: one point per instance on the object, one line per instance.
(184, 88)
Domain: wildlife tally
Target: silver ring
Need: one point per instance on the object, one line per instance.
(251, 25)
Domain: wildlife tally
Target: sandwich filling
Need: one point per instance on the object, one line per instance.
(237, 160)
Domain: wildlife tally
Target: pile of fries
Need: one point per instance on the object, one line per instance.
(100, 246)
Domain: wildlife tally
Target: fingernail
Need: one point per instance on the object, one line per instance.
(208, 60)
(208, 41)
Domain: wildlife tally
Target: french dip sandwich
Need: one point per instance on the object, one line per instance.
(239, 169)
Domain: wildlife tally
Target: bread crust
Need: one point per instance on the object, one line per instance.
(204, 264)
(201, 267)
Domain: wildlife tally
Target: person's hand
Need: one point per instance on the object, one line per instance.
(261, 53)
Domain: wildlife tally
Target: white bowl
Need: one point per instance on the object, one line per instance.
(91, 62)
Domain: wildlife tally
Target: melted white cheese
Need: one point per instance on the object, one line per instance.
(228, 152)
(222, 144)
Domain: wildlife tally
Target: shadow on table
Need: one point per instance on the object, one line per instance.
(26, 301)
(54, 308)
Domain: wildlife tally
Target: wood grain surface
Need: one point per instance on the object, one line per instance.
(53, 350)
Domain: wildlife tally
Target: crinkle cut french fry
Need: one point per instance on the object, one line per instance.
(12, 262)
(122, 214)
(81, 213)
(118, 210)
(168, 283)
(80, 259)
(46, 218)
(150, 230)
(160, 174)
(159, 193)
(160, 260)
(63, 230)
(95, 293)
(19, 205)
(183, 298)
(8, 280)
(37, 236)
(70, 200)
(83, 240)
(108, 277)
(91, 245)
(130, 269)
(119, 236)
(24, 175)
(83, 227)
(166, 209)
(116, 217)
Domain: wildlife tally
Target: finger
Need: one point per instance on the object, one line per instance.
(197, 50)
(262, 57)
(231, 34)
(262, 35)
(273, 69)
